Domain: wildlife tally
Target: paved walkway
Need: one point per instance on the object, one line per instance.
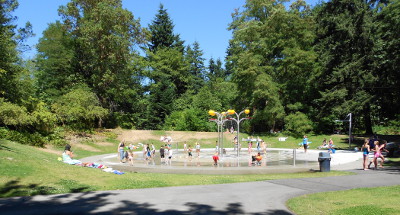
(264, 197)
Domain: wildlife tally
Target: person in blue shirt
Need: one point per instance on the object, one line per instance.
(305, 143)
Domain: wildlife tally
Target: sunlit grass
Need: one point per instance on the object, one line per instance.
(379, 200)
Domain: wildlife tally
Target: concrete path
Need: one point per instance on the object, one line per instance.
(264, 197)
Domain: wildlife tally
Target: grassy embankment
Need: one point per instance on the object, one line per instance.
(26, 171)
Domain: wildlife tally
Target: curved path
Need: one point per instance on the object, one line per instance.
(264, 197)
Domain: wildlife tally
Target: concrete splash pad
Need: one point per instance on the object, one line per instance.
(274, 161)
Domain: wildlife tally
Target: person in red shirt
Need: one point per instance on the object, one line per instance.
(215, 158)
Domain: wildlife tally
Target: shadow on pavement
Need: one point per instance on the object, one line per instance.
(98, 203)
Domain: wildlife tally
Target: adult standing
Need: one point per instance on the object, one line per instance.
(372, 142)
(120, 150)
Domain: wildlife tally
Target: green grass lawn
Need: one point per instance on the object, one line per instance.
(27, 171)
(363, 201)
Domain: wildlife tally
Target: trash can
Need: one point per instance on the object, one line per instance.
(324, 160)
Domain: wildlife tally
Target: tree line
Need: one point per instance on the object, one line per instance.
(295, 67)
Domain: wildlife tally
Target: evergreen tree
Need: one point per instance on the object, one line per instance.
(197, 69)
(162, 32)
(170, 79)
(9, 71)
(345, 48)
(216, 72)
(387, 60)
(169, 70)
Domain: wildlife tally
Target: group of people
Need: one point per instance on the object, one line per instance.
(125, 153)
(68, 157)
(328, 145)
(377, 147)
(260, 145)
(189, 150)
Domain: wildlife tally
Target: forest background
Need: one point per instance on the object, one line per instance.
(297, 68)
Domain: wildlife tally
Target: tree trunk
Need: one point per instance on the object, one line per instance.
(367, 119)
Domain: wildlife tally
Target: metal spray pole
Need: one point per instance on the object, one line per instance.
(350, 131)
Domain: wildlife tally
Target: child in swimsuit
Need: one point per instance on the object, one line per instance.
(365, 149)
(377, 153)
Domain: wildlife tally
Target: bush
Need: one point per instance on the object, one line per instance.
(79, 109)
(34, 139)
(298, 124)
(13, 114)
(124, 120)
(191, 119)
(57, 137)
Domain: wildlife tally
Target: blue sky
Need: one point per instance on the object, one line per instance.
(204, 21)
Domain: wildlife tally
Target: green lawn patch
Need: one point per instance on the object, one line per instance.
(363, 201)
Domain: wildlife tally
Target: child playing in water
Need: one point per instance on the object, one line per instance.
(190, 153)
(198, 149)
(215, 158)
(258, 158)
(162, 154)
(169, 156)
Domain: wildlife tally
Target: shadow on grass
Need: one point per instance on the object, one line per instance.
(108, 203)
(2, 147)
(14, 188)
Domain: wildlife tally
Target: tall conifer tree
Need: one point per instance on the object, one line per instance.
(345, 48)
(194, 55)
(162, 32)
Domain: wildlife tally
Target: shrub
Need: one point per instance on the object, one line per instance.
(13, 114)
(298, 124)
(34, 139)
(191, 119)
(79, 109)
